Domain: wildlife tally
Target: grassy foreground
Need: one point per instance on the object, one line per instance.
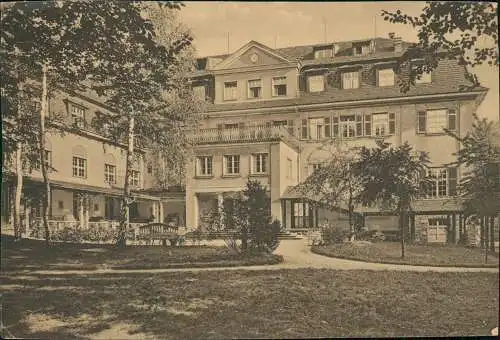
(33, 255)
(426, 255)
(250, 304)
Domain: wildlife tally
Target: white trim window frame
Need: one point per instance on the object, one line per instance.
(254, 89)
(348, 126)
(316, 128)
(439, 182)
(77, 115)
(204, 166)
(79, 166)
(316, 83)
(231, 165)
(135, 178)
(385, 77)
(230, 90)
(279, 86)
(350, 80)
(260, 163)
(436, 120)
(380, 124)
(110, 173)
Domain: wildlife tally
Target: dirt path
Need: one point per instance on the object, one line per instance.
(296, 253)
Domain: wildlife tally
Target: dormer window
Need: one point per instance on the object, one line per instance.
(323, 53)
(316, 83)
(200, 91)
(363, 48)
(385, 77)
(77, 115)
(254, 88)
(350, 80)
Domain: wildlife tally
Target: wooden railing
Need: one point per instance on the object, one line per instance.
(242, 134)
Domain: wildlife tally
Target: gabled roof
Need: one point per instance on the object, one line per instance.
(232, 57)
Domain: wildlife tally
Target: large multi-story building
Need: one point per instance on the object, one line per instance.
(87, 172)
(271, 109)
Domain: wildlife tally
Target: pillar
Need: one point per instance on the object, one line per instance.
(192, 218)
(283, 214)
(80, 210)
(86, 214)
(292, 214)
(160, 212)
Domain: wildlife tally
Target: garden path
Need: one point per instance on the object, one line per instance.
(296, 253)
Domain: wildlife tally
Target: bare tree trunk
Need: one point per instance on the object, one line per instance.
(125, 211)
(402, 214)
(492, 233)
(19, 187)
(43, 165)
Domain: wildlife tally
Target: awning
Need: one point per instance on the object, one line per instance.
(91, 188)
(431, 206)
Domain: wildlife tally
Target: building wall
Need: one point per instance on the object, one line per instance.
(266, 83)
(97, 153)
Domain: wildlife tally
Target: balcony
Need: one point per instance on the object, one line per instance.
(256, 133)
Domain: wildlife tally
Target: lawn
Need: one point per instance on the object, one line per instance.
(33, 255)
(429, 254)
(282, 303)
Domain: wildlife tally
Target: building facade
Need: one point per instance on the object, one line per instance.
(270, 110)
(87, 173)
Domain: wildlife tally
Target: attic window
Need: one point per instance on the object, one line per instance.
(325, 52)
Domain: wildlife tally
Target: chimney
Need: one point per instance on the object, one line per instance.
(392, 35)
(398, 44)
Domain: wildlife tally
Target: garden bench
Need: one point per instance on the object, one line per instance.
(159, 231)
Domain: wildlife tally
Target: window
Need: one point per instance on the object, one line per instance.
(288, 124)
(350, 80)
(109, 173)
(279, 86)
(324, 53)
(79, 167)
(383, 124)
(230, 90)
(434, 121)
(316, 128)
(316, 83)
(78, 115)
(135, 178)
(204, 166)
(443, 182)
(199, 91)
(150, 169)
(259, 165)
(289, 168)
(316, 167)
(60, 205)
(386, 77)
(425, 78)
(231, 126)
(48, 161)
(254, 88)
(348, 126)
(232, 164)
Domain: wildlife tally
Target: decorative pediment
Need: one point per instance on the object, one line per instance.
(253, 54)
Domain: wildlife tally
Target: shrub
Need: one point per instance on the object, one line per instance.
(370, 235)
(331, 234)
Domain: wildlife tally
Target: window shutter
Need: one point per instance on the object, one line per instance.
(289, 125)
(392, 123)
(359, 125)
(327, 127)
(335, 132)
(452, 181)
(422, 121)
(452, 120)
(304, 129)
(368, 124)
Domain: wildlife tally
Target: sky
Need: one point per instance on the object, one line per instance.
(282, 24)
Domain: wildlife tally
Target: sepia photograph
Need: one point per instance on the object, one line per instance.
(249, 170)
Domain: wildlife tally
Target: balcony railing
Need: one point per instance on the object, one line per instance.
(255, 133)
